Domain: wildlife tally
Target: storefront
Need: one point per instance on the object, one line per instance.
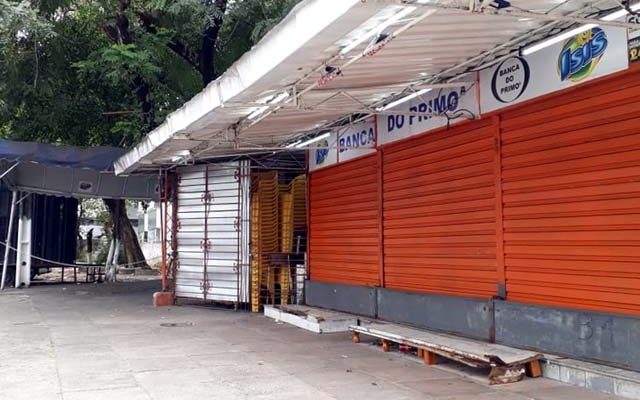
(471, 168)
(519, 226)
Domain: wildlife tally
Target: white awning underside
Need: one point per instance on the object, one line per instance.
(435, 43)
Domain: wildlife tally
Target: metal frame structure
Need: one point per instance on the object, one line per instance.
(331, 87)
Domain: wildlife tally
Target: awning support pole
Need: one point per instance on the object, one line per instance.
(9, 170)
(163, 225)
(12, 213)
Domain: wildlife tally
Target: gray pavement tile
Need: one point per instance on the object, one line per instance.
(109, 394)
(107, 343)
(447, 387)
(92, 380)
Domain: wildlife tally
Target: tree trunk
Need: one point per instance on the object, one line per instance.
(209, 39)
(122, 34)
(124, 231)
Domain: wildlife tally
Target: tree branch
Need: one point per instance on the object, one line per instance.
(149, 23)
(122, 23)
(121, 34)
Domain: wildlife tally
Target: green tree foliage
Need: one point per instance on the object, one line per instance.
(106, 72)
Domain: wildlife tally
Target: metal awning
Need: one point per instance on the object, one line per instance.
(71, 171)
(330, 62)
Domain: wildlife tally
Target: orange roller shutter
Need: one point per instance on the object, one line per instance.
(440, 212)
(343, 236)
(571, 192)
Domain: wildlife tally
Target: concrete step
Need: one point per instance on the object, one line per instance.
(597, 377)
(313, 319)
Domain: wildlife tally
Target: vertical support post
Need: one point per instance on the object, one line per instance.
(380, 215)
(205, 240)
(163, 227)
(245, 230)
(173, 200)
(497, 141)
(23, 257)
(14, 199)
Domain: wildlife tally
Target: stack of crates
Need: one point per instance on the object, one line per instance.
(264, 234)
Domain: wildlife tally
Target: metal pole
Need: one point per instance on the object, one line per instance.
(163, 225)
(14, 199)
(9, 170)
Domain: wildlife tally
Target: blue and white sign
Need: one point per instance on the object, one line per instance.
(345, 144)
(434, 109)
(357, 140)
(324, 152)
(591, 54)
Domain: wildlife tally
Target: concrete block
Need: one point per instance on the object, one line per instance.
(573, 376)
(312, 319)
(626, 388)
(162, 299)
(551, 370)
(599, 382)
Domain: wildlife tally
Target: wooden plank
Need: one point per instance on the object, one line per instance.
(470, 352)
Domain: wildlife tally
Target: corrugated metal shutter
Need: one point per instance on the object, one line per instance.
(212, 232)
(440, 212)
(344, 243)
(571, 181)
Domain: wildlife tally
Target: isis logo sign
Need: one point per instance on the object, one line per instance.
(322, 152)
(581, 54)
(510, 79)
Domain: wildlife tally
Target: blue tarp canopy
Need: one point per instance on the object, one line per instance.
(71, 171)
(96, 158)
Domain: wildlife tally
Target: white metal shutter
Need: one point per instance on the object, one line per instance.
(213, 232)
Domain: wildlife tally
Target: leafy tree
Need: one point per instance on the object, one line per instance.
(106, 72)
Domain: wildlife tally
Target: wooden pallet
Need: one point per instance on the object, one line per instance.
(506, 364)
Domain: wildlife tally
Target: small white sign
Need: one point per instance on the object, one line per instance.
(597, 52)
(434, 109)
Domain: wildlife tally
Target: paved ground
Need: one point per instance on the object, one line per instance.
(96, 342)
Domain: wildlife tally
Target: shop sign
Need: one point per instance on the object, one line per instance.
(597, 52)
(634, 47)
(344, 144)
(324, 152)
(432, 110)
(357, 140)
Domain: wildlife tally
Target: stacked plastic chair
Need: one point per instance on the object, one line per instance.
(299, 200)
(286, 241)
(264, 234)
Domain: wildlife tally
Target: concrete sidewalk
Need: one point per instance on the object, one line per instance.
(94, 342)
